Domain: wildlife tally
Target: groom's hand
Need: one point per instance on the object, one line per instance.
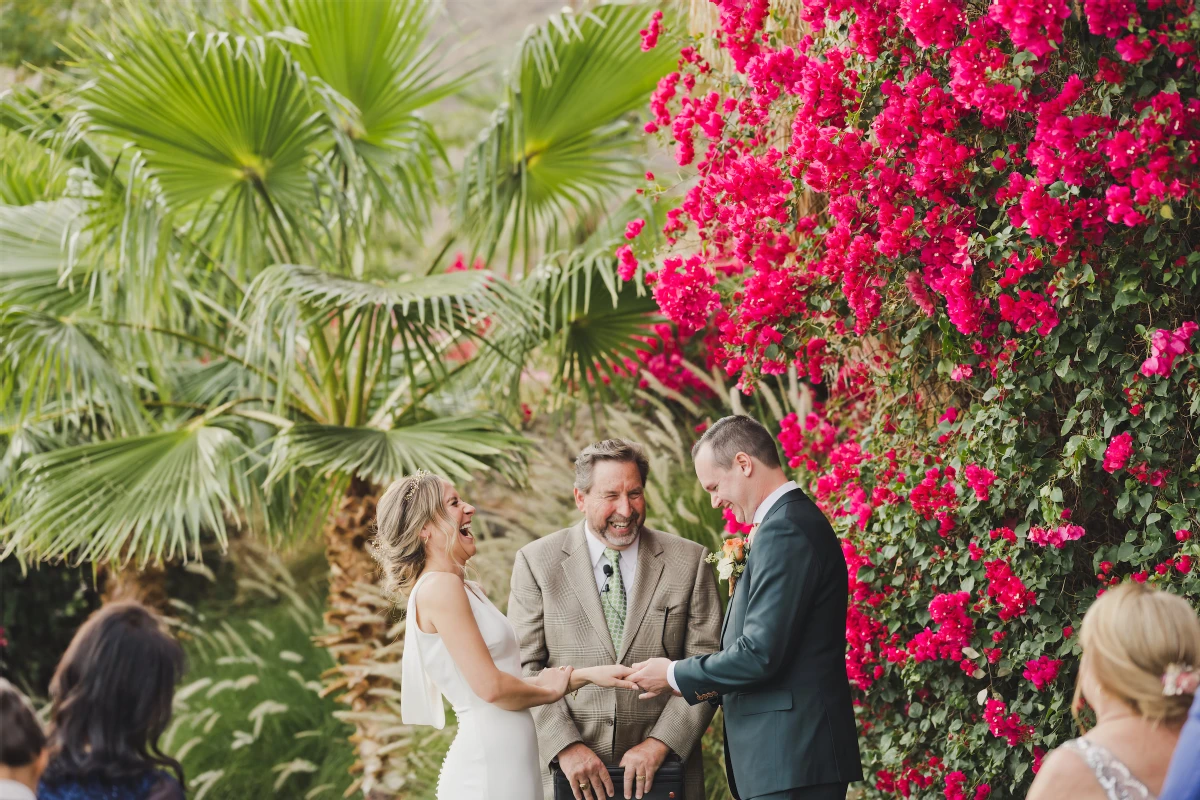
(582, 766)
(651, 677)
(641, 762)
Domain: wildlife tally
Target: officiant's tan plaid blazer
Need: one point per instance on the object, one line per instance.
(673, 611)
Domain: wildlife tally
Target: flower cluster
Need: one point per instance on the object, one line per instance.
(1042, 671)
(1057, 536)
(1004, 725)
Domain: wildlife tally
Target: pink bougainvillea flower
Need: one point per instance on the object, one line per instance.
(1003, 725)
(980, 479)
(1007, 590)
(1118, 452)
(1033, 25)
(627, 263)
(1165, 347)
(933, 23)
(652, 31)
(1056, 537)
(1111, 18)
(1042, 671)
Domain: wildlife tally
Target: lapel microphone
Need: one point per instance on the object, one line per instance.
(608, 577)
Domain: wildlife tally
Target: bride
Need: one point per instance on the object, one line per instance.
(458, 644)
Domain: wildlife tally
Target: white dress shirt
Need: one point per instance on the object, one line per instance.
(628, 562)
(12, 790)
(760, 514)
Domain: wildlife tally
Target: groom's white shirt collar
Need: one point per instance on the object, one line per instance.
(629, 557)
(770, 500)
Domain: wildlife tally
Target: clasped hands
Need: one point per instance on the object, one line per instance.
(649, 677)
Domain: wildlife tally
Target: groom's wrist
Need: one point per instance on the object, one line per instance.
(671, 677)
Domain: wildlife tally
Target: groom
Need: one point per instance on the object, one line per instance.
(781, 672)
(609, 590)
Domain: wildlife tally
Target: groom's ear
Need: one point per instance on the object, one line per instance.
(744, 463)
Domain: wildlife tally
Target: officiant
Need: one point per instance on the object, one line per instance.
(610, 590)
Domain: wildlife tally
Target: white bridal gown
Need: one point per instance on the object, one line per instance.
(494, 755)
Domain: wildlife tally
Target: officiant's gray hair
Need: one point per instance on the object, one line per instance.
(735, 434)
(621, 450)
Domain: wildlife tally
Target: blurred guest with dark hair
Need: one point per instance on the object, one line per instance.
(22, 745)
(111, 701)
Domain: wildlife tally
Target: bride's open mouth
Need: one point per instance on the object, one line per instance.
(465, 530)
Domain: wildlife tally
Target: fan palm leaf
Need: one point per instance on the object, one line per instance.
(224, 123)
(561, 144)
(48, 359)
(375, 71)
(347, 333)
(455, 446)
(145, 498)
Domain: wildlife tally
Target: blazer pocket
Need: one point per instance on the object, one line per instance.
(760, 702)
(674, 630)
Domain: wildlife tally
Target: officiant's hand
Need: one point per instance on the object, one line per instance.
(641, 762)
(651, 677)
(588, 776)
(556, 679)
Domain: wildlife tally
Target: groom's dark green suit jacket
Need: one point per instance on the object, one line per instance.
(781, 672)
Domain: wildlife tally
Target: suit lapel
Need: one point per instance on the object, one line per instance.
(728, 614)
(649, 571)
(582, 580)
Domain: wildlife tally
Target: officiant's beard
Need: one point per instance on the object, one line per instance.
(614, 539)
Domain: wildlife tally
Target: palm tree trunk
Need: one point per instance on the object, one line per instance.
(146, 585)
(366, 647)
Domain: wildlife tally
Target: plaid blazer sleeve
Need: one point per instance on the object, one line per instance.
(681, 725)
(555, 728)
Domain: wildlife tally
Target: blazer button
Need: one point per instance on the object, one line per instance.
(608, 723)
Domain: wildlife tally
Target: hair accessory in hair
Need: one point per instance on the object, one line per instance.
(1180, 679)
(417, 477)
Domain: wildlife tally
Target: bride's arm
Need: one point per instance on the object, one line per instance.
(443, 602)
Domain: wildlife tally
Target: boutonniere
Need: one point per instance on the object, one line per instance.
(731, 561)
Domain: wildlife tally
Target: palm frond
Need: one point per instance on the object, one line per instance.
(596, 321)
(364, 325)
(223, 122)
(144, 498)
(375, 70)
(454, 446)
(561, 144)
(592, 323)
(47, 359)
(29, 173)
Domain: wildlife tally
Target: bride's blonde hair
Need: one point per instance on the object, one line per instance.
(1129, 637)
(407, 506)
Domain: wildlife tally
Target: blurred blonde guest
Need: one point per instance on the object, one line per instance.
(22, 745)
(1137, 643)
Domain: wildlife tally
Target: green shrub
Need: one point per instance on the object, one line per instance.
(250, 721)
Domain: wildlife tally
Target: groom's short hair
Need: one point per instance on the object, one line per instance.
(621, 450)
(735, 434)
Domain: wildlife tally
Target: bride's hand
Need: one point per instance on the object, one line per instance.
(611, 676)
(556, 679)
